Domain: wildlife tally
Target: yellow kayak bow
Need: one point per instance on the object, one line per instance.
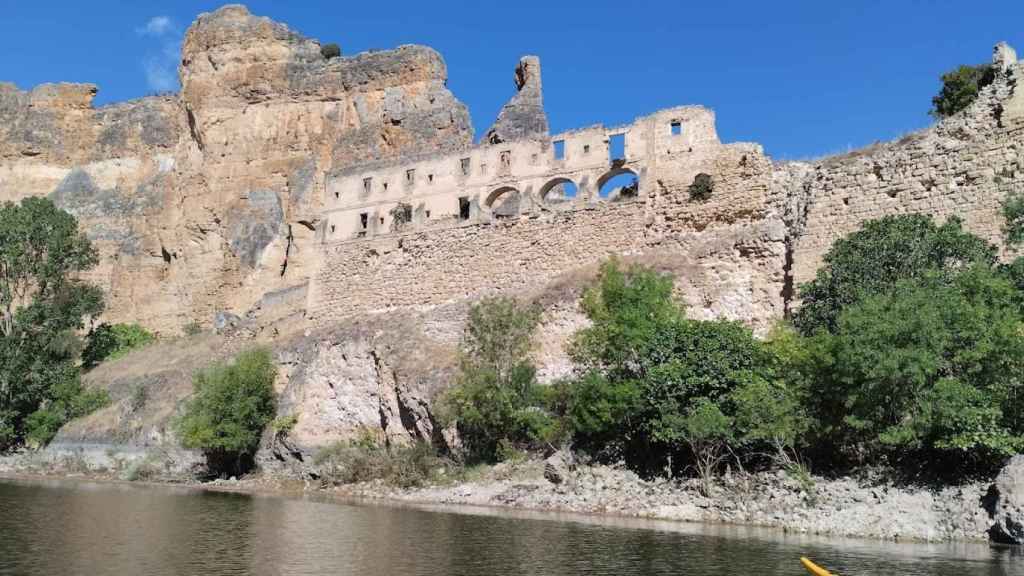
(814, 568)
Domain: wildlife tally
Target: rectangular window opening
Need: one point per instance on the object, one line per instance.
(617, 147)
(677, 128)
(430, 178)
(367, 185)
(586, 148)
(465, 166)
(410, 176)
(364, 221)
(428, 213)
(385, 186)
(559, 146)
(464, 208)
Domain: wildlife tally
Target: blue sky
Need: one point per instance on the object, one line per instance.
(803, 78)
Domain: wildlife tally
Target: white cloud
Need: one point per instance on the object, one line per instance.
(160, 75)
(157, 26)
(160, 62)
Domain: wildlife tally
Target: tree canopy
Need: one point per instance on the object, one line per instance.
(43, 305)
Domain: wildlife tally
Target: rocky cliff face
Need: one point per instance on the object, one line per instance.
(206, 200)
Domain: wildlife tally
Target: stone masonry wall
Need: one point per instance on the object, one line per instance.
(727, 252)
(964, 166)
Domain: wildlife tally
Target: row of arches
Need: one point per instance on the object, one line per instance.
(618, 183)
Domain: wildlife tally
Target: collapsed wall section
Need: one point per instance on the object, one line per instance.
(965, 166)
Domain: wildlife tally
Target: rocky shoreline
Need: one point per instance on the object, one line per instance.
(844, 507)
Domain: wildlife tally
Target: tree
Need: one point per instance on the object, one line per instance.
(231, 406)
(496, 401)
(43, 304)
(960, 88)
(932, 365)
(661, 384)
(883, 252)
(329, 51)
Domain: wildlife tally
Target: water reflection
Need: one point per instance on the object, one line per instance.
(85, 528)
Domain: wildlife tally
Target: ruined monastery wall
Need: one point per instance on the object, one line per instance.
(965, 166)
(727, 251)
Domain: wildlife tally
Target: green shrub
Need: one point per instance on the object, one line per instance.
(496, 396)
(111, 341)
(70, 400)
(231, 406)
(883, 252)
(702, 187)
(329, 51)
(665, 389)
(283, 425)
(960, 89)
(1013, 214)
(932, 365)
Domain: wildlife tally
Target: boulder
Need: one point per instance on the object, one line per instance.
(1008, 503)
(559, 466)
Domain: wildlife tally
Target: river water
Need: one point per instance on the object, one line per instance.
(84, 528)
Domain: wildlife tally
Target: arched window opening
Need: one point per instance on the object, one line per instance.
(619, 184)
(504, 202)
(559, 190)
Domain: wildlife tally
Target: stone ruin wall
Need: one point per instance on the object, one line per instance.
(484, 221)
(245, 192)
(964, 166)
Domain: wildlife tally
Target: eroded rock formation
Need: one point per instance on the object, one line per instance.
(207, 200)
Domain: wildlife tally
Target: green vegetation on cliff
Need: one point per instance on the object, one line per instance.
(232, 405)
(960, 87)
(111, 341)
(496, 401)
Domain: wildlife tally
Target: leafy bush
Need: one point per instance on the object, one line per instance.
(496, 397)
(880, 254)
(931, 365)
(43, 305)
(702, 187)
(329, 51)
(70, 400)
(232, 405)
(960, 89)
(283, 425)
(111, 341)
(1013, 213)
(655, 383)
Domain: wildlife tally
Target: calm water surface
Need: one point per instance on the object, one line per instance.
(72, 528)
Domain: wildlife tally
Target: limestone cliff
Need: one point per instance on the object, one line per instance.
(207, 200)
